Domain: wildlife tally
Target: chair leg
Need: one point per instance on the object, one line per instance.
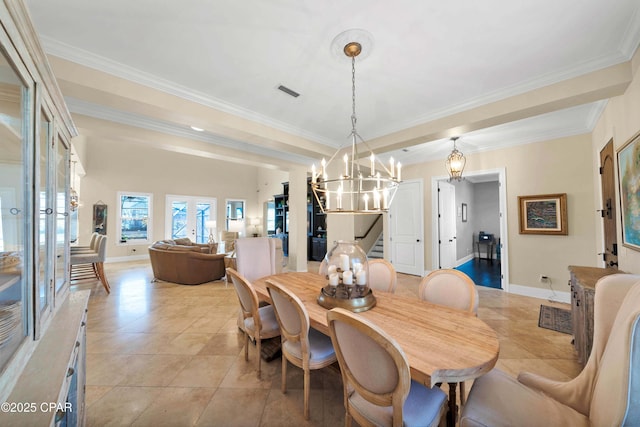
(258, 344)
(99, 267)
(307, 381)
(462, 396)
(347, 419)
(284, 374)
(246, 346)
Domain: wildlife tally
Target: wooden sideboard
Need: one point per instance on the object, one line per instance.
(583, 285)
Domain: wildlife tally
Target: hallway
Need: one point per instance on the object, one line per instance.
(483, 272)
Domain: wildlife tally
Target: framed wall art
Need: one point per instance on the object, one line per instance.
(543, 214)
(464, 212)
(100, 218)
(629, 178)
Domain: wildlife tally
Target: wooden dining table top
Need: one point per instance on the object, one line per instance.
(442, 345)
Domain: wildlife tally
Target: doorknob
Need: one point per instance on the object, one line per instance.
(417, 240)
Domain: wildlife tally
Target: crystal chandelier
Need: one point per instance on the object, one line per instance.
(355, 191)
(455, 162)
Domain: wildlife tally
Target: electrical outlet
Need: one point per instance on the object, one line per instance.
(543, 278)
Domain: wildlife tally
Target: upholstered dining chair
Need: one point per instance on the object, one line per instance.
(258, 322)
(90, 265)
(91, 247)
(451, 288)
(256, 257)
(382, 275)
(378, 390)
(302, 345)
(605, 393)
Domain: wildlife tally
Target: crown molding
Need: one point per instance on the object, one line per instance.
(91, 60)
(89, 109)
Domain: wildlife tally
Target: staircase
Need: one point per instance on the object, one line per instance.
(377, 250)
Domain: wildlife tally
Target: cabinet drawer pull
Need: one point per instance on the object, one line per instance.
(70, 372)
(578, 303)
(77, 344)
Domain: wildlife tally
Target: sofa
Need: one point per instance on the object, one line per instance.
(184, 262)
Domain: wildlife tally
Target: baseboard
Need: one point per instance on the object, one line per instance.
(541, 293)
(463, 260)
(127, 258)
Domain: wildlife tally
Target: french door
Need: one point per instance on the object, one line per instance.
(192, 217)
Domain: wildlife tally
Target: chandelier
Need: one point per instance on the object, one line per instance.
(355, 190)
(455, 162)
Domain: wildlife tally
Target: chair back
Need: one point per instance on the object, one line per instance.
(247, 297)
(382, 275)
(256, 257)
(93, 240)
(371, 362)
(323, 268)
(229, 239)
(615, 399)
(451, 288)
(101, 248)
(291, 314)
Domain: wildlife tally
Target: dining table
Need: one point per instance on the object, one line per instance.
(442, 344)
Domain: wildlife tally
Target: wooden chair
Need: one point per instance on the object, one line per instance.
(378, 390)
(90, 265)
(605, 393)
(454, 289)
(382, 275)
(303, 346)
(258, 322)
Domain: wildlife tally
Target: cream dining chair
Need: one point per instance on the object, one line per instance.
(451, 288)
(605, 393)
(382, 275)
(302, 345)
(90, 264)
(378, 390)
(257, 322)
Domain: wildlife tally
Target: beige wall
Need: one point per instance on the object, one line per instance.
(558, 166)
(113, 166)
(620, 121)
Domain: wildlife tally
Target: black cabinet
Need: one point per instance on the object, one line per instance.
(316, 227)
(281, 203)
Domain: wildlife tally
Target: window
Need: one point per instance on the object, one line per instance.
(134, 218)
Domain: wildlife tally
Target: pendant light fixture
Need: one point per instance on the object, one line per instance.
(455, 162)
(355, 190)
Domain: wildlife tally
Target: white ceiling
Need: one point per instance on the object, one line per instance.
(429, 60)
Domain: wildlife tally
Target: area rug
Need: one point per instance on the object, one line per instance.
(556, 319)
(270, 348)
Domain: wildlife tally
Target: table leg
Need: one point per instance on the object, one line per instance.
(452, 415)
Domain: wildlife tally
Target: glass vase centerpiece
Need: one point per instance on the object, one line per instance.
(347, 275)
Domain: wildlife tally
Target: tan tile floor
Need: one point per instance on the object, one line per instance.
(161, 354)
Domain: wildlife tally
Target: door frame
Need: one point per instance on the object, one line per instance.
(504, 235)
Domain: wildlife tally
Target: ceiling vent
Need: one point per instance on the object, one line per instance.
(288, 91)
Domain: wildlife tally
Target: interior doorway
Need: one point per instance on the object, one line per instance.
(465, 239)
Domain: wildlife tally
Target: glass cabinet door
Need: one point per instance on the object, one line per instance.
(45, 153)
(62, 215)
(16, 206)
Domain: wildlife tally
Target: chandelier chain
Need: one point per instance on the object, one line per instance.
(353, 93)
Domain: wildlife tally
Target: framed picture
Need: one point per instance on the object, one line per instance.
(100, 218)
(464, 212)
(543, 214)
(629, 178)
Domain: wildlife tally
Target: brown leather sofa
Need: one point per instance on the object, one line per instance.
(181, 261)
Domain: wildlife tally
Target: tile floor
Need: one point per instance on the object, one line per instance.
(161, 354)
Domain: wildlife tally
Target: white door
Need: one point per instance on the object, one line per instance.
(447, 224)
(192, 217)
(406, 229)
